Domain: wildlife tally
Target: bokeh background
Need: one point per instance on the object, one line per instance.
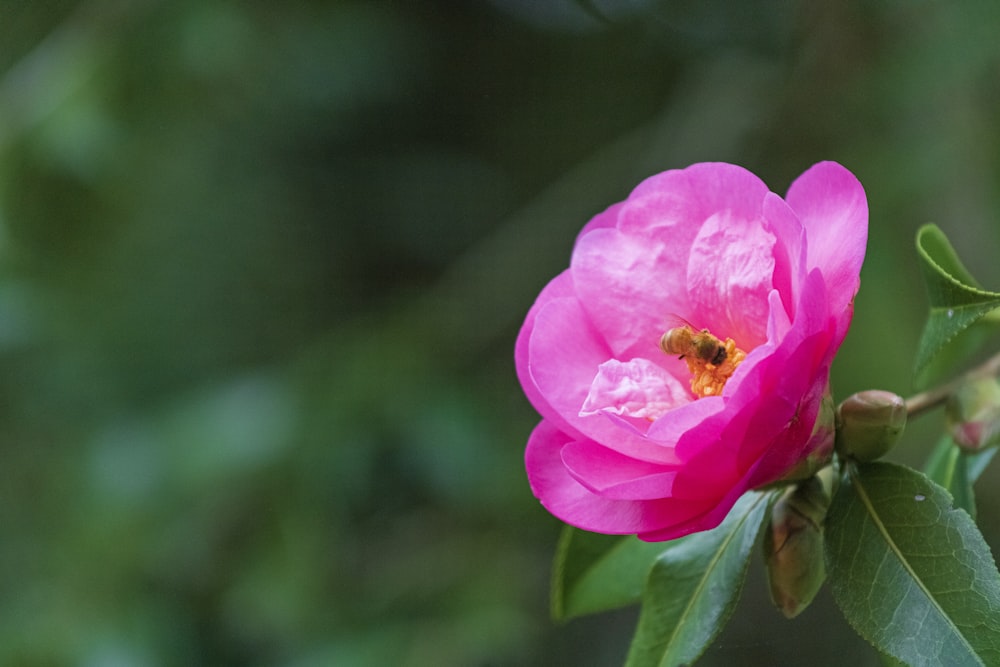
(262, 265)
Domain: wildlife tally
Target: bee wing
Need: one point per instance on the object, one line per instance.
(675, 320)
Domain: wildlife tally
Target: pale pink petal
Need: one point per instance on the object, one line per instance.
(727, 187)
(606, 218)
(564, 354)
(729, 276)
(673, 183)
(637, 388)
(664, 207)
(629, 286)
(832, 206)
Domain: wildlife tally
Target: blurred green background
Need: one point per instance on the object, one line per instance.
(262, 265)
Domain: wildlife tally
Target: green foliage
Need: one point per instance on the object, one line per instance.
(956, 299)
(957, 470)
(596, 572)
(694, 586)
(889, 661)
(911, 573)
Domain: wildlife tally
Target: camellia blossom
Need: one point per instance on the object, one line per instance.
(684, 357)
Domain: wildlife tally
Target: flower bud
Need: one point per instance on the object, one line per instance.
(793, 545)
(973, 414)
(869, 424)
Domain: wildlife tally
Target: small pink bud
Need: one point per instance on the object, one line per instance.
(869, 424)
(973, 414)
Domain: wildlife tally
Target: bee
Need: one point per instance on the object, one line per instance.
(687, 342)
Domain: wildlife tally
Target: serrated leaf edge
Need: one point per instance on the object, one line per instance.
(981, 302)
(925, 353)
(940, 269)
(978, 291)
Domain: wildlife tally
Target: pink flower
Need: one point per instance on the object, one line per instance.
(625, 444)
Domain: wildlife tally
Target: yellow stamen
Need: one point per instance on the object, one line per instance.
(707, 379)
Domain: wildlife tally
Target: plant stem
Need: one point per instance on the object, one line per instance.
(925, 401)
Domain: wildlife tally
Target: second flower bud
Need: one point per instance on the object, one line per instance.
(869, 424)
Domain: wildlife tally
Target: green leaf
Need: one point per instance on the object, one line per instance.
(977, 462)
(956, 299)
(889, 661)
(960, 350)
(596, 572)
(957, 470)
(946, 451)
(693, 589)
(948, 466)
(912, 574)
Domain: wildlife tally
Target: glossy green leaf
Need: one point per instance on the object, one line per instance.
(911, 573)
(595, 572)
(693, 589)
(957, 470)
(956, 299)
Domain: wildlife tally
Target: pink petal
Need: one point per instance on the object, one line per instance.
(612, 475)
(778, 395)
(631, 282)
(559, 287)
(673, 183)
(570, 501)
(664, 205)
(709, 474)
(729, 276)
(638, 388)
(629, 285)
(707, 520)
(778, 322)
(688, 420)
(789, 251)
(727, 187)
(794, 443)
(606, 218)
(832, 206)
(564, 354)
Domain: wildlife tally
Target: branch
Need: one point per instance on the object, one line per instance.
(925, 401)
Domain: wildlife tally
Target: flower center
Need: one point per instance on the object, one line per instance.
(711, 361)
